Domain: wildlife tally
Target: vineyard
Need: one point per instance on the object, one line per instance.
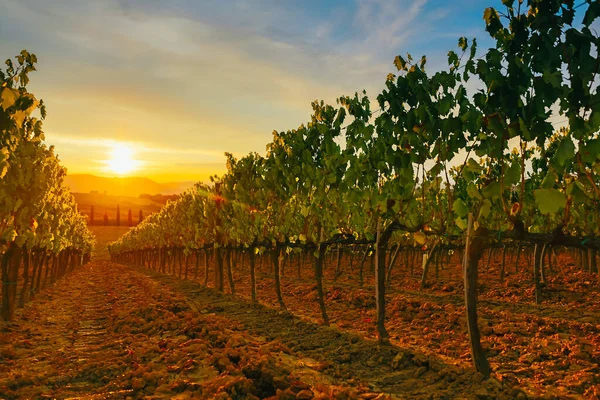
(371, 185)
(441, 241)
(42, 235)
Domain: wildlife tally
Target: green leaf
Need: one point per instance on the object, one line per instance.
(472, 55)
(486, 208)
(549, 201)
(473, 192)
(576, 194)
(435, 170)
(471, 170)
(584, 186)
(461, 223)
(565, 151)
(452, 58)
(491, 191)
(468, 175)
(492, 21)
(524, 129)
(552, 77)
(460, 208)
(549, 180)
(512, 174)
(474, 165)
(590, 151)
(592, 13)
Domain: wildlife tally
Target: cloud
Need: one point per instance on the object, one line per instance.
(190, 80)
(388, 23)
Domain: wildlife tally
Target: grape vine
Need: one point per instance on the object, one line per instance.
(439, 165)
(39, 221)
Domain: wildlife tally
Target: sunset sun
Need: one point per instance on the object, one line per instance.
(122, 160)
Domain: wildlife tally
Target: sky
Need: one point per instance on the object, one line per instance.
(172, 85)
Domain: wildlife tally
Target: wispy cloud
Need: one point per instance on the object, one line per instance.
(388, 23)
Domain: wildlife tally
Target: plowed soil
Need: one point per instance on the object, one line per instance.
(110, 331)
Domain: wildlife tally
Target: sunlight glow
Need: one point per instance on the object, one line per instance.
(122, 160)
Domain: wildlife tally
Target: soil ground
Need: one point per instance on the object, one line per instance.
(114, 331)
(550, 350)
(110, 331)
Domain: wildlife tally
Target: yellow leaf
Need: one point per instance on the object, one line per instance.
(19, 117)
(419, 237)
(8, 97)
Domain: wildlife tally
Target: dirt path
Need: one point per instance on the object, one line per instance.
(58, 345)
(109, 331)
(342, 358)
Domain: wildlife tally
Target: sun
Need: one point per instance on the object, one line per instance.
(122, 160)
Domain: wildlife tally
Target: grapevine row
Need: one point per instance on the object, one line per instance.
(41, 230)
(440, 165)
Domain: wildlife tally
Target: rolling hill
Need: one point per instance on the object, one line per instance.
(130, 186)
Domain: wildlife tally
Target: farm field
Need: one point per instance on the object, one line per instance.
(548, 350)
(115, 331)
(435, 238)
(110, 331)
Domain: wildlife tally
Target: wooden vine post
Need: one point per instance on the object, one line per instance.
(277, 259)
(26, 263)
(319, 278)
(229, 258)
(253, 274)
(473, 252)
(10, 275)
(205, 267)
(427, 262)
(218, 240)
(380, 271)
(537, 262)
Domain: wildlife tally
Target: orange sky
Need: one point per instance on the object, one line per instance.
(163, 89)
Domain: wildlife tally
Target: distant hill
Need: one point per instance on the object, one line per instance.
(85, 183)
(107, 204)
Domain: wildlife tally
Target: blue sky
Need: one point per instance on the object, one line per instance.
(183, 81)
